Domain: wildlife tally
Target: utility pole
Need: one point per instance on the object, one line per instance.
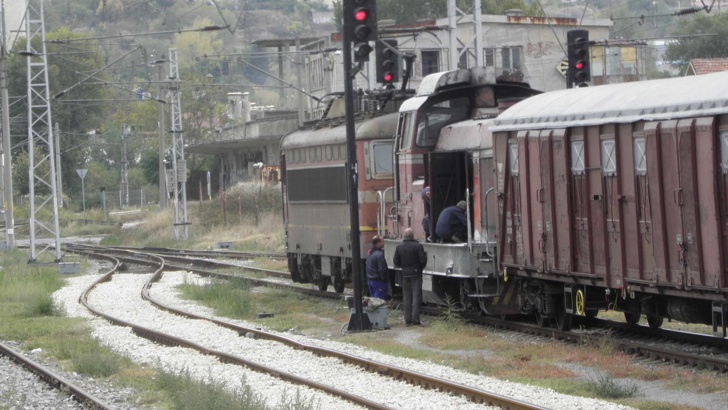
(59, 177)
(7, 169)
(124, 192)
(476, 42)
(160, 121)
(40, 132)
(179, 164)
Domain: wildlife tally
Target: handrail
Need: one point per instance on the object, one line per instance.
(467, 217)
(485, 220)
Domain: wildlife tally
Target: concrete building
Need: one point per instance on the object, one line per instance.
(514, 47)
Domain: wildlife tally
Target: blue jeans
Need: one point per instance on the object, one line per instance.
(378, 289)
(412, 298)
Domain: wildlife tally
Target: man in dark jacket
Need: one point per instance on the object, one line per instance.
(412, 258)
(452, 225)
(377, 270)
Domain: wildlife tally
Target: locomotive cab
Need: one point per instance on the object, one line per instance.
(442, 141)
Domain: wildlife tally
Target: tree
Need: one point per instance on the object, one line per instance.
(710, 39)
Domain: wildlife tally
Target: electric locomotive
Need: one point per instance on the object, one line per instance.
(315, 187)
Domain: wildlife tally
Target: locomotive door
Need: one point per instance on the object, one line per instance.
(449, 179)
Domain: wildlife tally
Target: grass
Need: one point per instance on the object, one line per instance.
(28, 315)
(448, 341)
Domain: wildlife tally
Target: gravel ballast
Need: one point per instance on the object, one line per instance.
(121, 298)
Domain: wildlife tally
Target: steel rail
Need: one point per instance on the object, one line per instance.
(630, 346)
(645, 349)
(170, 340)
(417, 379)
(55, 380)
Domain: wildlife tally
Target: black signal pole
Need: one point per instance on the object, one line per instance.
(358, 321)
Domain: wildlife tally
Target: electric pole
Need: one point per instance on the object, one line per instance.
(6, 160)
(179, 164)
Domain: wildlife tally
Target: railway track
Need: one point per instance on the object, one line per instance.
(382, 369)
(681, 348)
(54, 380)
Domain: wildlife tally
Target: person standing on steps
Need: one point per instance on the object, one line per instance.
(410, 255)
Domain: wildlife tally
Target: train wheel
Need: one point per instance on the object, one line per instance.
(293, 268)
(563, 319)
(339, 285)
(632, 318)
(655, 322)
(541, 320)
(323, 284)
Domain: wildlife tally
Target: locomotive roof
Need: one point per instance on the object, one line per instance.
(620, 103)
(383, 126)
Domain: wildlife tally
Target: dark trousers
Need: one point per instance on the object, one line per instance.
(378, 289)
(412, 298)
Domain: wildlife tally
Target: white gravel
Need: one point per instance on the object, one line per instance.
(121, 298)
(20, 389)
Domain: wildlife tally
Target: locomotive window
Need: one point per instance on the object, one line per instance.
(329, 153)
(380, 159)
(342, 152)
(640, 156)
(513, 158)
(407, 123)
(294, 157)
(317, 152)
(302, 155)
(433, 118)
(311, 154)
(609, 157)
(577, 158)
(724, 151)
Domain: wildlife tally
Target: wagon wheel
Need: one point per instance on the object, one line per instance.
(655, 322)
(322, 284)
(632, 318)
(563, 319)
(339, 285)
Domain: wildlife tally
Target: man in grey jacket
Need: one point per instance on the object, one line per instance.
(410, 255)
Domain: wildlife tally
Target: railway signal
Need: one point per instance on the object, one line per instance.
(387, 62)
(578, 54)
(361, 23)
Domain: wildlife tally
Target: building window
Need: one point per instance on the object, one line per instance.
(489, 57)
(512, 58)
(463, 58)
(430, 62)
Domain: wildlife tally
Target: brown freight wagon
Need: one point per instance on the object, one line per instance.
(617, 196)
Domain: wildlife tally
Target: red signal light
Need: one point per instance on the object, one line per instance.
(361, 15)
(388, 77)
(579, 65)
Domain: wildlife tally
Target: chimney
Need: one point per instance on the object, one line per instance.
(235, 106)
(246, 106)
